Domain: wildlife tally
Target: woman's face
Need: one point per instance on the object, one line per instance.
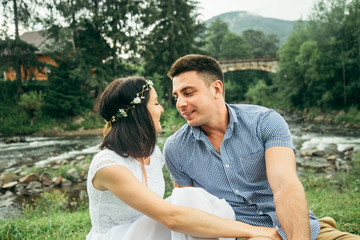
(155, 109)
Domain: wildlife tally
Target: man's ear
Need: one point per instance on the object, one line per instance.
(218, 86)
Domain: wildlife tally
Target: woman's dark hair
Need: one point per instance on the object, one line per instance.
(134, 135)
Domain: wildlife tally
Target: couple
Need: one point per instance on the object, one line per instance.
(231, 165)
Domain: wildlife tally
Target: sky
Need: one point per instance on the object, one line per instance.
(280, 9)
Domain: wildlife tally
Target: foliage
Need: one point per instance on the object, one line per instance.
(16, 54)
(223, 44)
(234, 47)
(64, 97)
(342, 196)
(240, 21)
(174, 29)
(215, 35)
(171, 121)
(239, 82)
(48, 218)
(319, 64)
(32, 102)
(260, 94)
(351, 116)
(261, 45)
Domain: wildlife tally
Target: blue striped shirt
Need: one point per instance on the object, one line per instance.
(239, 174)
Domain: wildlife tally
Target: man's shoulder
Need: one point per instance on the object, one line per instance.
(248, 108)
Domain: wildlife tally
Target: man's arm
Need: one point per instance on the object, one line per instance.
(289, 195)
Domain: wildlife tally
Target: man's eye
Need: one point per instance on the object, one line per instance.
(188, 93)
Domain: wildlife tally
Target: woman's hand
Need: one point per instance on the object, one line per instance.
(265, 233)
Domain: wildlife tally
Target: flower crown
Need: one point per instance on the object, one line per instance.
(122, 112)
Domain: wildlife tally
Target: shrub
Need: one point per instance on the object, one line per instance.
(32, 103)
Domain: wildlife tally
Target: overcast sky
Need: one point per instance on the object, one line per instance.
(280, 9)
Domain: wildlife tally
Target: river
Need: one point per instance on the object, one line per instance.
(40, 150)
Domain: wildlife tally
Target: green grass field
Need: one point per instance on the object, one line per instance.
(49, 217)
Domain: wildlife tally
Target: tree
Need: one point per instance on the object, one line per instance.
(215, 35)
(17, 54)
(319, 64)
(173, 31)
(262, 45)
(234, 46)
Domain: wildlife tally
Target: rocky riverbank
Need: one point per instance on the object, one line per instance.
(68, 175)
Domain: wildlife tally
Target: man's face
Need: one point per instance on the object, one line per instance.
(194, 99)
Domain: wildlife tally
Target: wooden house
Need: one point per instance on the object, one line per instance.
(38, 40)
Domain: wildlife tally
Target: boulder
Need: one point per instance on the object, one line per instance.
(65, 182)
(34, 185)
(8, 177)
(64, 162)
(46, 182)
(81, 157)
(57, 181)
(30, 178)
(306, 152)
(20, 188)
(332, 149)
(318, 153)
(85, 166)
(349, 148)
(331, 158)
(9, 185)
(73, 174)
(83, 195)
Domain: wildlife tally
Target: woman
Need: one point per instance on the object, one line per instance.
(125, 182)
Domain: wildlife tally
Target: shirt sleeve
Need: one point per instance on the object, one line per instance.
(173, 165)
(274, 130)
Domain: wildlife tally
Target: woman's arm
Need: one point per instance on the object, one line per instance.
(121, 182)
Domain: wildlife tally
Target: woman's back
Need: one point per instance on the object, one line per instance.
(107, 210)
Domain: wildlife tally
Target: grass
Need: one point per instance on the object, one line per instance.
(338, 198)
(48, 217)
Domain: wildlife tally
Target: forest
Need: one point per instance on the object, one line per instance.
(96, 41)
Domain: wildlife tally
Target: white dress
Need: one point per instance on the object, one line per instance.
(113, 219)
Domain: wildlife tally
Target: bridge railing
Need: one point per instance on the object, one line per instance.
(231, 61)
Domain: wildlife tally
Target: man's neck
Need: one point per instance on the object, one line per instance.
(218, 125)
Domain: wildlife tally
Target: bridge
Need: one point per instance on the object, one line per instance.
(262, 64)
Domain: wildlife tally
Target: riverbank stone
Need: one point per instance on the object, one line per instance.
(57, 181)
(20, 188)
(9, 185)
(65, 182)
(8, 177)
(349, 149)
(73, 174)
(30, 178)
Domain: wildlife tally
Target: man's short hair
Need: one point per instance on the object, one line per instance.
(208, 68)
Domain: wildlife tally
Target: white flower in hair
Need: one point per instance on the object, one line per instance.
(136, 100)
(123, 112)
(149, 83)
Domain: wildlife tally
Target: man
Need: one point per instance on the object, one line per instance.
(242, 153)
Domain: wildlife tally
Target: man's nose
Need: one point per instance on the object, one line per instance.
(180, 102)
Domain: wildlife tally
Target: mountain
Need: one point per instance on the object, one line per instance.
(240, 20)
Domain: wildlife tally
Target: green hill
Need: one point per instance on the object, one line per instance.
(240, 21)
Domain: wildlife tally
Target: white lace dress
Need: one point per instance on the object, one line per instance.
(113, 219)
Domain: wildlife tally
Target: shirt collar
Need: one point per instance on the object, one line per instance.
(198, 133)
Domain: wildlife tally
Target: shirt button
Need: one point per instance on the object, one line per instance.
(249, 201)
(237, 191)
(260, 212)
(227, 165)
(277, 227)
